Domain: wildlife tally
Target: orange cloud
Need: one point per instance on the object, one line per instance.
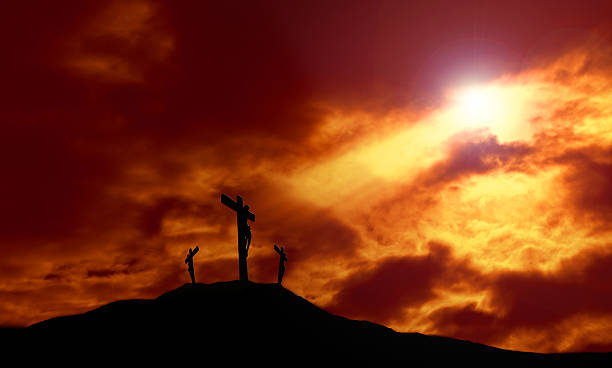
(120, 43)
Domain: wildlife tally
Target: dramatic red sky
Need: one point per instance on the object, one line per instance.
(435, 166)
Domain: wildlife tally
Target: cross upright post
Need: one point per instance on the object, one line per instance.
(244, 233)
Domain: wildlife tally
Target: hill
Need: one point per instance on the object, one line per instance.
(246, 321)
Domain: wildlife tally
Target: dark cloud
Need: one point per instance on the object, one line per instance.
(535, 301)
(52, 276)
(468, 323)
(587, 184)
(477, 155)
(384, 292)
(105, 272)
(173, 207)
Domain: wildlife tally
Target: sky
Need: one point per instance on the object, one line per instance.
(442, 167)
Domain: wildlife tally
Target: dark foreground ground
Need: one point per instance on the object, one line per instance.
(234, 322)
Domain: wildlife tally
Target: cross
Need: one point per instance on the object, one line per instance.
(244, 232)
(189, 261)
(281, 265)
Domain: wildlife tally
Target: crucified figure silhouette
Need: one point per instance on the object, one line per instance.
(281, 265)
(189, 261)
(243, 215)
(247, 236)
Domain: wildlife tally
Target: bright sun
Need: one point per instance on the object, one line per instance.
(480, 106)
(500, 109)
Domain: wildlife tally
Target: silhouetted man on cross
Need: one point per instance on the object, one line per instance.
(281, 265)
(247, 235)
(244, 231)
(189, 261)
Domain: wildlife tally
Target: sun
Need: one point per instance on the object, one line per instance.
(480, 106)
(499, 108)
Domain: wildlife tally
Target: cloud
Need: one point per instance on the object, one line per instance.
(121, 44)
(587, 182)
(477, 155)
(176, 207)
(537, 307)
(468, 156)
(382, 292)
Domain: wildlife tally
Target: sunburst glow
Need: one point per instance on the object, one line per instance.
(480, 105)
(501, 108)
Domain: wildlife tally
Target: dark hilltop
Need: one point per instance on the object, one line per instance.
(246, 321)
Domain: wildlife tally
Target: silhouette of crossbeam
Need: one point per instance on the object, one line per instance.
(242, 216)
(236, 205)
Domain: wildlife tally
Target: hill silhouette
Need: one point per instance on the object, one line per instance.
(247, 321)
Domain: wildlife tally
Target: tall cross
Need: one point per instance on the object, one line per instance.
(244, 232)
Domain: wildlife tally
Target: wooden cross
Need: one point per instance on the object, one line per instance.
(281, 265)
(189, 261)
(242, 215)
